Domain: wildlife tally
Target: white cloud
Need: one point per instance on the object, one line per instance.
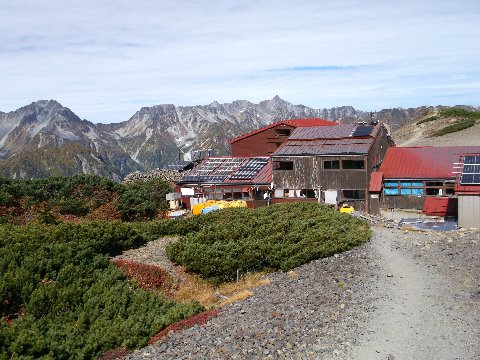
(105, 59)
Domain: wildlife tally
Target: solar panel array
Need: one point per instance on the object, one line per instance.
(363, 130)
(228, 166)
(212, 178)
(471, 170)
(218, 170)
(249, 169)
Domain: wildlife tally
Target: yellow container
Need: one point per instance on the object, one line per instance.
(347, 209)
(222, 204)
(238, 203)
(197, 208)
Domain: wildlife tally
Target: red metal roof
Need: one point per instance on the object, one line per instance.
(423, 162)
(324, 147)
(264, 176)
(376, 181)
(440, 206)
(292, 122)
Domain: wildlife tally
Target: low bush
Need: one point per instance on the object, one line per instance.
(80, 197)
(278, 237)
(428, 119)
(461, 113)
(142, 200)
(455, 127)
(61, 297)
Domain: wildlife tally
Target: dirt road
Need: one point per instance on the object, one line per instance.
(421, 311)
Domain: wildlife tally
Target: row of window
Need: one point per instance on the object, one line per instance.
(327, 165)
(346, 195)
(417, 188)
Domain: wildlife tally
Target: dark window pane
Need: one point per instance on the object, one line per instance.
(282, 132)
(353, 164)
(283, 165)
(331, 164)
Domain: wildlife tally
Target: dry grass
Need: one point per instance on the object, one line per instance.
(194, 288)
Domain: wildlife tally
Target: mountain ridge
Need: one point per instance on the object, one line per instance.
(152, 137)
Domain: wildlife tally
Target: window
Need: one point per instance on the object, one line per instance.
(353, 164)
(391, 188)
(282, 132)
(354, 194)
(283, 165)
(434, 188)
(331, 164)
(414, 188)
(277, 144)
(308, 193)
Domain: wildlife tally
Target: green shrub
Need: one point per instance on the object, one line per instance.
(460, 113)
(143, 199)
(428, 119)
(455, 127)
(279, 237)
(81, 195)
(66, 300)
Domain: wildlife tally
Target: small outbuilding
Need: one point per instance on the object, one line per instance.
(467, 188)
(412, 174)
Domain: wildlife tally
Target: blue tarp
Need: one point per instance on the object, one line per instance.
(210, 209)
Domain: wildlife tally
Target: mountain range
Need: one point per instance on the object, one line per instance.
(47, 139)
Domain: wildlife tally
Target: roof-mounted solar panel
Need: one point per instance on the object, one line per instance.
(362, 130)
(249, 169)
(212, 178)
(189, 178)
(473, 179)
(471, 159)
(470, 170)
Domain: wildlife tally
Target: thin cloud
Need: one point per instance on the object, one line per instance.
(106, 59)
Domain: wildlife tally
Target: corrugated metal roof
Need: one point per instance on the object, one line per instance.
(339, 131)
(353, 146)
(376, 181)
(292, 122)
(321, 132)
(423, 162)
(264, 176)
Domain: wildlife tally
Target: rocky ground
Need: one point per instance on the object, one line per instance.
(405, 295)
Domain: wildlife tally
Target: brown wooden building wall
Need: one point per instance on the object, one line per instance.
(309, 173)
(263, 143)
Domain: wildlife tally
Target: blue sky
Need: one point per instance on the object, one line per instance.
(106, 59)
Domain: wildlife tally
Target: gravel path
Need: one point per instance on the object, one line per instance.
(421, 312)
(404, 295)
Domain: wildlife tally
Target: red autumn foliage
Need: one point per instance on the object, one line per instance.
(149, 277)
(199, 319)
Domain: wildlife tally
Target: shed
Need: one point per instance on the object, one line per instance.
(467, 188)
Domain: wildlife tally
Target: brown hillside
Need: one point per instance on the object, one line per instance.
(411, 134)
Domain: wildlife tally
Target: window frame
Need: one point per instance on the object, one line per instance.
(279, 165)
